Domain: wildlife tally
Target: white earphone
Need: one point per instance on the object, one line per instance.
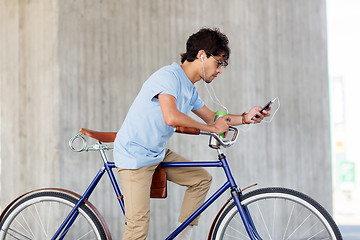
(202, 57)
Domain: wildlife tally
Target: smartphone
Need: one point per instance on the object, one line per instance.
(264, 108)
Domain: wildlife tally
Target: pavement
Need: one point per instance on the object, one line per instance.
(350, 232)
(347, 214)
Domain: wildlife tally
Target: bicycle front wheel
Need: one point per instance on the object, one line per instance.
(277, 213)
(40, 214)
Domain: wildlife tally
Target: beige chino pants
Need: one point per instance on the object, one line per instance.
(136, 185)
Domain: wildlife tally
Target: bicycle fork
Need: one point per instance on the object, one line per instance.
(236, 194)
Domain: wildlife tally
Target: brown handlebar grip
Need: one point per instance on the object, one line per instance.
(188, 130)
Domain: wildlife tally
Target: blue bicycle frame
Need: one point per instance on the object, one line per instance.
(230, 183)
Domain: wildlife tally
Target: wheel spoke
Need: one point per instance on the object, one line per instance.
(27, 225)
(273, 221)
(40, 222)
(317, 234)
(48, 216)
(299, 226)
(239, 232)
(86, 234)
(263, 220)
(15, 232)
(288, 222)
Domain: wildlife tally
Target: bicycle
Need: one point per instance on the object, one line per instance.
(265, 213)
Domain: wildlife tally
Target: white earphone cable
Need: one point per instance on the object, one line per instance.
(245, 129)
(213, 91)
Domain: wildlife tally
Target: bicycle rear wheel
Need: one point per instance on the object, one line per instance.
(39, 215)
(277, 213)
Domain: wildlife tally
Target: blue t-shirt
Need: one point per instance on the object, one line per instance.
(142, 138)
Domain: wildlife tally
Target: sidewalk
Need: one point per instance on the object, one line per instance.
(350, 232)
(347, 214)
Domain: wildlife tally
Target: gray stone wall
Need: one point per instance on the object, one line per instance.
(72, 64)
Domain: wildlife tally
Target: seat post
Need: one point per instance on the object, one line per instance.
(102, 152)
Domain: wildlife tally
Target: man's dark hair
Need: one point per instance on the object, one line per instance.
(212, 41)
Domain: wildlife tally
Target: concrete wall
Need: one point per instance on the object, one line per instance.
(72, 64)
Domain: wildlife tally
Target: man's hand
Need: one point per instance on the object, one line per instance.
(222, 125)
(250, 116)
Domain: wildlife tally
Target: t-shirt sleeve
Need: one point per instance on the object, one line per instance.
(163, 83)
(198, 102)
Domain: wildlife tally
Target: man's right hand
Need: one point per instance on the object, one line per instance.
(221, 125)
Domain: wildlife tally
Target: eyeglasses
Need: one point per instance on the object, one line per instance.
(220, 64)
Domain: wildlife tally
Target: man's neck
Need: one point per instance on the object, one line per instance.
(192, 71)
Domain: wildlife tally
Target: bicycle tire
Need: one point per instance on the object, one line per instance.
(39, 214)
(277, 213)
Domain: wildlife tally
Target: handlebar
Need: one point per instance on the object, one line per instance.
(215, 140)
(219, 140)
(86, 147)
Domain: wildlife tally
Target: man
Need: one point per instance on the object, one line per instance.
(162, 104)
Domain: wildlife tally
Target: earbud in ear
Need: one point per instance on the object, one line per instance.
(202, 57)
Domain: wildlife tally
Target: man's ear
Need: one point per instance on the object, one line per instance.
(201, 55)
